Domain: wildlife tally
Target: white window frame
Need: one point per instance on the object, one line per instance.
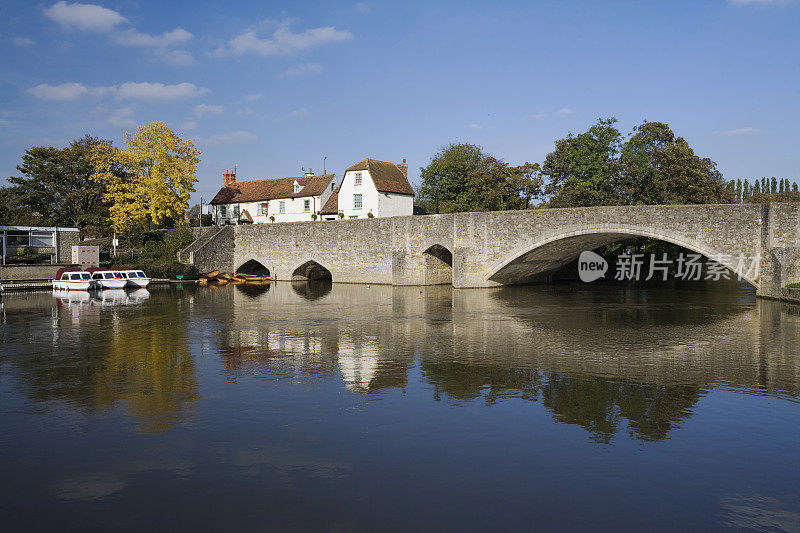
(357, 179)
(297, 188)
(306, 206)
(360, 199)
(223, 212)
(263, 207)
(282, 207)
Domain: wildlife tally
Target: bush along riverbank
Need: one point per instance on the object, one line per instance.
(159, 254)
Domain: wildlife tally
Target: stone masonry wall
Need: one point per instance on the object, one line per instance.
(484, 245)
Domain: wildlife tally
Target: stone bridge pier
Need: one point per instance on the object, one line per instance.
(508, 247)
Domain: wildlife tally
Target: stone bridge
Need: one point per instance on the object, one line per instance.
(505, 247)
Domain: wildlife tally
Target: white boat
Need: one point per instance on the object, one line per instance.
(136, 278)
(72, 279)
(108, 279)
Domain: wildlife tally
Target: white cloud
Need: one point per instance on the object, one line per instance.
(63, 92)
(206, 109)
(156, 91)
(741, 131)
(474, 126)
(178, 58)
(299, 113)
(127, 91)
(563, 112)
(122, 117)
(301, 70)
(189, 125)
(168, 38)
(84, 16)
(245, 112)
(22, 41)
(362, 7)
(226, 138)
(282, 42)
(253, 97)
(98, 18)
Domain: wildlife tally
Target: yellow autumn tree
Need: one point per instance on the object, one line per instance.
(150, 180)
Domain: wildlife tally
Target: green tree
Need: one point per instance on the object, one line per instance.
(657, 167)
(739, 190)
(794, 187)
(461, 177)
(582, 169)
(56, 188)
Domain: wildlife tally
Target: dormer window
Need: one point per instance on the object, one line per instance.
(357, 178)
(297, 187)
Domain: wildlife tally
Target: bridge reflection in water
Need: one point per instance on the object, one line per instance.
(622, 406)
(604, 359)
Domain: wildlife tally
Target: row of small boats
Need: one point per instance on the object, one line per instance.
(76, 279)
(223, 278)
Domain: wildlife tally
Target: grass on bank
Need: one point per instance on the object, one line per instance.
(793, 286)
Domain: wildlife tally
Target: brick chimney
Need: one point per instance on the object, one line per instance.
(229, 177)
(403, 168)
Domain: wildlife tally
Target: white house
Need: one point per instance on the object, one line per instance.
(291, 199)
(372, 188)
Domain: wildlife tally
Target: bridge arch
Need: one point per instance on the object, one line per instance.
(253, 267)
(552, 251)
(311, 271)
(438, 265)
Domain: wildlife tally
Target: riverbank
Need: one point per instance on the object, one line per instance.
(43, 285)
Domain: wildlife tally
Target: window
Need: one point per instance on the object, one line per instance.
(86, 276)
(236, 211)
(282, 206)
(141, 274)
(356, 201)
(306, 205)
(75, 276)
(297, 187)
(353, 216)
(64, 277)
(131, 275)
(108, 275)
(222, 211)
(357, 178)
(262, 208)
(333, 186)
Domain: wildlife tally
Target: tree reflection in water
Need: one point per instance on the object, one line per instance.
(95, 356)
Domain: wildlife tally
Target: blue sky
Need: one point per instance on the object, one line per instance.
(276, 86)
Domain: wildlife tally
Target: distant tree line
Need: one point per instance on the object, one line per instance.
(764, 190)
(601, 166)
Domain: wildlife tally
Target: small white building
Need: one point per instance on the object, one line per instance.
(372, 188)
(292, 199)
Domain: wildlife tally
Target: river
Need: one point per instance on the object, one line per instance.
(357, 408)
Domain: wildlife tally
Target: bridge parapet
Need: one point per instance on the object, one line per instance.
(495, 248)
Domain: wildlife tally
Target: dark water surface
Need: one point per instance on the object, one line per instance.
(347, 408)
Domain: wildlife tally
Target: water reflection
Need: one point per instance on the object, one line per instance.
(606, 361)
(94, 351)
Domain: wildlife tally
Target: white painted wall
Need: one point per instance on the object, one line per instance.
(395, 205)
(369, 195)
(294, 209)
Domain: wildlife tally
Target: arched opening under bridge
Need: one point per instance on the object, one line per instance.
(253, 268)
(538, 261)
(311, 271)
(438, 265)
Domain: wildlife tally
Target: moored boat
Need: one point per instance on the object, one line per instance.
(73, 279)
(107, 279)
(136, 278)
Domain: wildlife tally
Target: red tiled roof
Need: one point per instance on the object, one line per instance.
(253, 191)
(331, 207)
(386, 176)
